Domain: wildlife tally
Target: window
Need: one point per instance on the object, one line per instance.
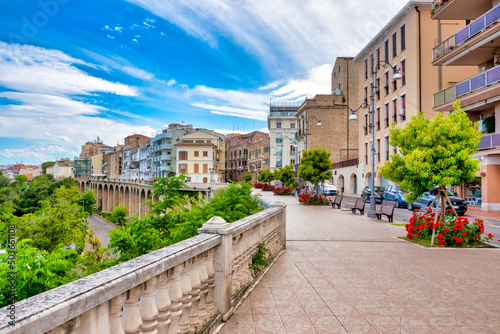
(403, 107)
(205, 153)
(378, 118)
(378, 150)
(267, 161)
(377, 93)
(196, 168)
(199, 141)
(366, 69)
(205, 168)
(395, 111)
(395, 150)
(403, 72)
(205, 180)
(183, 155)
(377, 58)
(292, 124)
(183, 168)
(386, 148)
(386, 50)
(278, 137)
(371, 63)
(278, 124)
(366, 94)
(402, 31)
(386, 83)
(366, 124)
(394, 81)
(196, 153)
(366, 153)
(394, 45)
(267, 149)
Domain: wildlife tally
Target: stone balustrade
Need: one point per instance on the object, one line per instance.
(188, 287)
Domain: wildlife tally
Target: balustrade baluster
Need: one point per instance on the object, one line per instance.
(131, 319)
(148, 308)
(116, 326)
(194, 321)
(211, 309)
(202, 306)
(175, 294)
(163, 302)
(186, 298)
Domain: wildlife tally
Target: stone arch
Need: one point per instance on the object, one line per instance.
(126, 199)
(116, 195)
(142, 199)
(367, 179)
(121, 195)
(105, 198)
(99, 195)
(82, 187)
(149, 197)
(354, 186)
(340, 183)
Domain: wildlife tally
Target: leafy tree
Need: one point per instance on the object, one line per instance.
(22, 179)
(120, 212)
(4, 181)
(94, 257)
(315, 166)
(87, 201)
(247, 177)
(434, 152)
(265, 176)
(285, 175)
(46, 165)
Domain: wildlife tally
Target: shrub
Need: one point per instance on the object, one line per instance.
(450, 232)
(258, 185)
(308, 199)
(266, 187)
(283, 191)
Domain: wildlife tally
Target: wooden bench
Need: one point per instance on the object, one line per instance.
(337, 201)
(359, 205)
(386, 209)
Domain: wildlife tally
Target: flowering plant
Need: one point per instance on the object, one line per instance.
(308, 199)
(282, 191)
(258, 185)
(266, 187)
(450, 231)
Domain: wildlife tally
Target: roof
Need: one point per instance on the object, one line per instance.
(137, 136)
(402, 13)
(194, 144)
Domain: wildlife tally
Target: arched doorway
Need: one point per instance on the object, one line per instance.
(340, 183)
(354, 183)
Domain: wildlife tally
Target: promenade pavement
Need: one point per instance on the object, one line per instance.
(346, 273)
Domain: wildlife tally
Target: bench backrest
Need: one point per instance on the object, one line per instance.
(360, 202)
(338, 199)
(387, 207)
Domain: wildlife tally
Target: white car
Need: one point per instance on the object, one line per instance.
(329, 190)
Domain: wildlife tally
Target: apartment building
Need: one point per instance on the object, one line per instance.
(282, 125)
(404, 43)
(93, 147)
(162, 154)
(476, 44)
(238, 150)
(61, 170)
(201, 156)
(258, 157)
(144, 162)
(112, 162)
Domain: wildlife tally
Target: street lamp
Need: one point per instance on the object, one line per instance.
(371, 106)
(305, 130)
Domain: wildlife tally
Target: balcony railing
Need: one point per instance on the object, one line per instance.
(477, 26)
(437, 5)
(347, 163)
(478, 82)
(279, 153)
(489, 141)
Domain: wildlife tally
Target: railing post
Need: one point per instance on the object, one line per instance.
(282, 219)
(223, 258)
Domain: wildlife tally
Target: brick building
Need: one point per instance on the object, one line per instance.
(245, 154)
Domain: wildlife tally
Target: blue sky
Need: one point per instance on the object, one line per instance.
(74, 70)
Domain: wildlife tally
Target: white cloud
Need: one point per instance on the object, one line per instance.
(119, 29)
(135, 40)
(230, 111)
(171, 82)
(306, 33)
(41, 153)
(109, 36)
(318, 81)
(272, 85)
(37, 70)
(137, 73)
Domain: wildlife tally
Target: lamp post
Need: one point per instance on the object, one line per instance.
(371, 107)
(305, 132)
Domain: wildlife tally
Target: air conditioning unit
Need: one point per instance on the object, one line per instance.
(401, 112)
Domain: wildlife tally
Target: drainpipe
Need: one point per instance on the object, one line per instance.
(419, 62)
(440, 68)
(347, 108)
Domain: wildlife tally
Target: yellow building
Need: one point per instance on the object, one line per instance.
(96, 164)
(477, 45)
(404, 43)
(201, 155)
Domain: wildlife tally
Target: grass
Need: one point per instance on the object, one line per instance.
(396, 224)
(427, 243)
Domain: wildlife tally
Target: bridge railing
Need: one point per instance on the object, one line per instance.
(188, 287)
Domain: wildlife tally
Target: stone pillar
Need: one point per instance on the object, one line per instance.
(490, 167)
(282, 222)
(222, 264)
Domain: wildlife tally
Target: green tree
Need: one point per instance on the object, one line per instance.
(87, 201)
(119, 215)
(265, 176)
(46, 165)
(315, 166)
(22, 179)
(433, 152)
(247, 177)
(285, 175)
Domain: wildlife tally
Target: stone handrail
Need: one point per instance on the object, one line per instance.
(188, 287)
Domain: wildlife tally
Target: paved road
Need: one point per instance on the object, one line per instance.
(402, 215)
(101, 228)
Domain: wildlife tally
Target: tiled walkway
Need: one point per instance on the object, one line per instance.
(345, 273)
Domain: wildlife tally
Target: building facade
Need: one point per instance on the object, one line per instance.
(162, 154)
(282, 125)
(404, 43)
(112, 162)
(476, 44)
(144, 162)
(238, 157)
(201, 156)
(258, 157)
(61, 170)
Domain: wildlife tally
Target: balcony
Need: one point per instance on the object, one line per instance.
(162, 169)
(279, 153)
(157, 148)
(489, 141)
(163, 135)
(278, 140)
(473, 44)
(479, 88)
(460, 9)
(161, 158)
(292, 152)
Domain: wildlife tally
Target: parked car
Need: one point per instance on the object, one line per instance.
(394, 193)
(329, 190)
(427, 198)
(379, 193)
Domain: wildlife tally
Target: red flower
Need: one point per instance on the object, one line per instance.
(490, 236)
(441, 242)
(464, 234)
(410, 236)
(440, 236)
